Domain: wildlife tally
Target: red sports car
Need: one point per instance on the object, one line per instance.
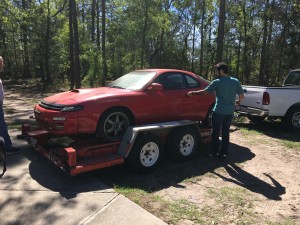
(139, 97)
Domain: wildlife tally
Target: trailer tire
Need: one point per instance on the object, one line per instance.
(292, 119)
(146, 153)
(183, 143)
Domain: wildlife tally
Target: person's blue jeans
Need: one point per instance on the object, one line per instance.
(220, 121)
(3, 131)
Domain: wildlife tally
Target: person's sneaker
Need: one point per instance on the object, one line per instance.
(13, 151)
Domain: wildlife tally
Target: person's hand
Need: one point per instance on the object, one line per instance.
(190, 93)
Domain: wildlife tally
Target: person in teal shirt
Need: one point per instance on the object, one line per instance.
(226, 88)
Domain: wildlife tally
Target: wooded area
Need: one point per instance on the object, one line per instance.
(87, 42)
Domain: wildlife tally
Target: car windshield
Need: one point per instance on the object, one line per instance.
(135, 80)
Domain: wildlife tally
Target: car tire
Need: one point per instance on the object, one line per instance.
(146, 153)
(207, 123)
(183, 143)
(292, 119)
(113, 125)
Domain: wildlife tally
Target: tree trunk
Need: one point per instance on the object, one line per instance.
(202, 38)
(238, 57)
(98, 24)
(26, 71)
(72, 69)
(93, 15)
(220, 38)
(76, 47)
(144, 34)
(103, 44)
(47, 36)
(262, 70)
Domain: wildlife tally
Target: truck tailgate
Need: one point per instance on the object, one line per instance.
(253, 96)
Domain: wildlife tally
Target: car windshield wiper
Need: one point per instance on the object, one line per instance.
(115, 86)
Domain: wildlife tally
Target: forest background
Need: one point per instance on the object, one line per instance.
(89, 42)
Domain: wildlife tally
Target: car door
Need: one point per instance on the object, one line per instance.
(174, 96)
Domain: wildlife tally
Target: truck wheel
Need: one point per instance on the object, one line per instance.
(256, 119)
(292, 119)
(113, 125)
(146, 153)
(183, 143)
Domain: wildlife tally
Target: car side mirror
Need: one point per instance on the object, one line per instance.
(155, 87)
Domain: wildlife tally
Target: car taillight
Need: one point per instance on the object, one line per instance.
(266, 98)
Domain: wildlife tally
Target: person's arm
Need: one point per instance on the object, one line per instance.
(200, 92)
(241, 97)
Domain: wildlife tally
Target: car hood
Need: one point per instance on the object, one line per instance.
(83, 95)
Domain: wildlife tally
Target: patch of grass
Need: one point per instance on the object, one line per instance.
(239, 197)
(286, 222)
(291, 144)
(134, 194)
(247, 131)
(14, 126)
(228, 206)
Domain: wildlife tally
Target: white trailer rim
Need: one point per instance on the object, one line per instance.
(149, 154)
(187, 144)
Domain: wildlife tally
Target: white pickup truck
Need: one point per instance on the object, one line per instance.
(274, 102)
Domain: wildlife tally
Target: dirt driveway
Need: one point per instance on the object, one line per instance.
(258, 184)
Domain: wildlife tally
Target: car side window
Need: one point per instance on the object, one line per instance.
(192, 83)
(171, 81)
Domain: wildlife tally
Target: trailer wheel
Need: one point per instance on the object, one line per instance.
(113, 125)
(183, 143)
(292, 119)
(146, 153)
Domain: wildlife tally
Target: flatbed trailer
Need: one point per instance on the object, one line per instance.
(142, 147)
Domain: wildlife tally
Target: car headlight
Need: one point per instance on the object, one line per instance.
(73, 108)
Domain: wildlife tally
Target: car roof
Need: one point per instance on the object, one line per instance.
(168, 70)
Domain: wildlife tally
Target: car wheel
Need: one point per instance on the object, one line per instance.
(292, 119)
(113, 125)
(207, 123)
(183, 143)
(146, 153)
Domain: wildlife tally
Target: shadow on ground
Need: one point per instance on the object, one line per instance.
(170, 173)
(273, 129)
(53, 178)
(173, 173)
